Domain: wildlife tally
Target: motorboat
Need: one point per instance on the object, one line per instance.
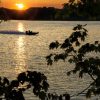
(31, 33)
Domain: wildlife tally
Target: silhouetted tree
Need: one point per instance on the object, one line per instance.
(3, 16)
(34, 13)
(81, 10)
(13, 90)
(75, 52)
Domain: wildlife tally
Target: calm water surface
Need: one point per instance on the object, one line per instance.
(20, 53)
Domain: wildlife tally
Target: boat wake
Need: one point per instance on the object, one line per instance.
(12, 32)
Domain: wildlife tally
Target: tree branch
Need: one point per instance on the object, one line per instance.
(82, 91)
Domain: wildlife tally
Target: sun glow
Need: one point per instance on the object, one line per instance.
(20, 6)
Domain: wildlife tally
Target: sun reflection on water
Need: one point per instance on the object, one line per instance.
(20, 27)
(20, 57)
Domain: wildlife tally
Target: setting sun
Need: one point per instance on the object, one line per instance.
(20, 6)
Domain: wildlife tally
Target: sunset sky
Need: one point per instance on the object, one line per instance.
(31, 3)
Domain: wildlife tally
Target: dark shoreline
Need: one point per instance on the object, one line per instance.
(51, 20)
(43, 14)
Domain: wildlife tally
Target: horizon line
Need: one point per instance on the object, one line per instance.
(31, 7)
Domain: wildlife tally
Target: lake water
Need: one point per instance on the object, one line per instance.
(20, 53)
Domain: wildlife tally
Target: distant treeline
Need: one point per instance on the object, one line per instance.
(84, 10)
(35, 13)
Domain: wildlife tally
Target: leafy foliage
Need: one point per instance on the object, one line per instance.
(3, 16)
(13, 90)
(80, 10)
(74, 51)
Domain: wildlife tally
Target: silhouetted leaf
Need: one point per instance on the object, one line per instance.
(96, 42)
(6, 81)
(15, 83)
(45, 85)
(77, 43)
(88, 94)
(1, 91)
(68, 73)
(54, 45)
(22, 77)
(42, 95)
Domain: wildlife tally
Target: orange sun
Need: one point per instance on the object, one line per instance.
(20, 6)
